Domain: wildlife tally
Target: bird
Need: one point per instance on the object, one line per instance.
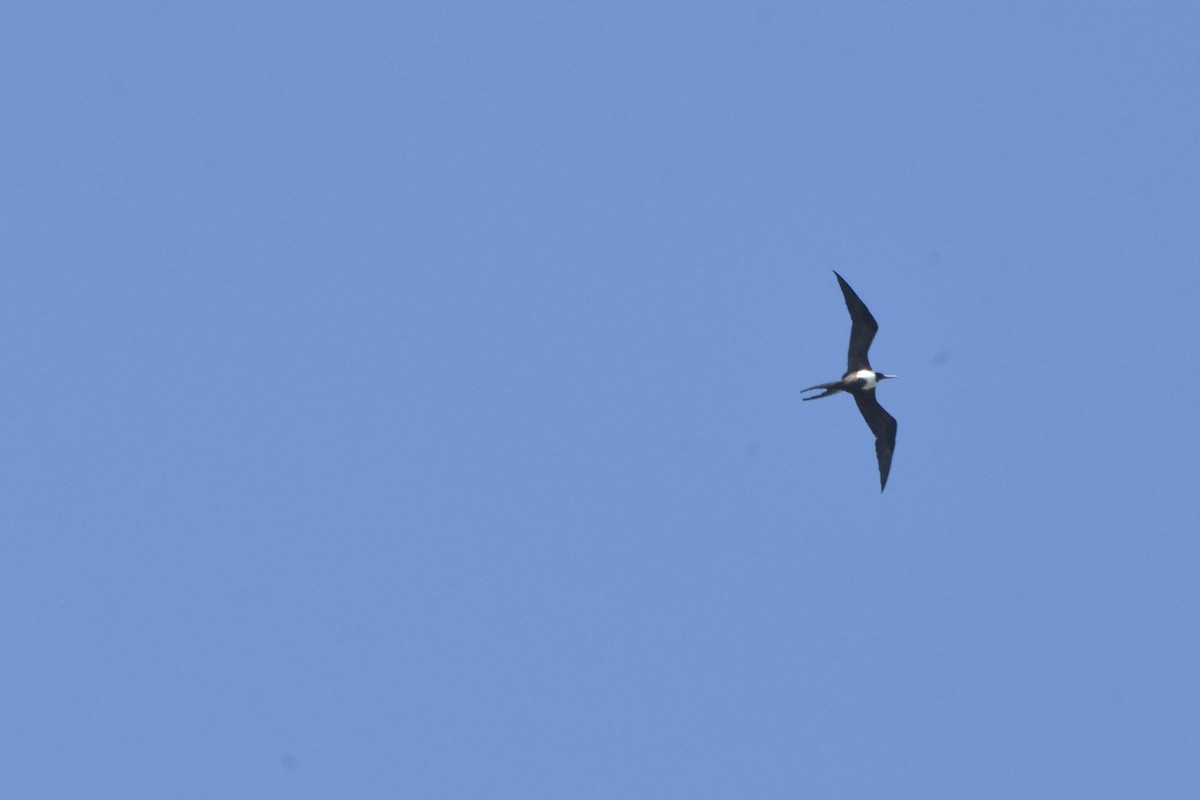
(860, 380)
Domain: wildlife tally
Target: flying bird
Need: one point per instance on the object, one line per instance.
(860, 380)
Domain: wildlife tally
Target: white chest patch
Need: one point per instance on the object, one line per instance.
(868, 377)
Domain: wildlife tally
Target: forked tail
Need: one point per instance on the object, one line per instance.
(830, 388)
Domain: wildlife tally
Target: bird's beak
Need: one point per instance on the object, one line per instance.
(891, 376)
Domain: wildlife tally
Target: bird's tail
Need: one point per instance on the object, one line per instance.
(830, 388)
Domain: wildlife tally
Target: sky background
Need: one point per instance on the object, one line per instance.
(402, 400)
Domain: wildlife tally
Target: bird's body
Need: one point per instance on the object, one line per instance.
(860, 380)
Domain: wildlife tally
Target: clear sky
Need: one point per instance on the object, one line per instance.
(401, 400)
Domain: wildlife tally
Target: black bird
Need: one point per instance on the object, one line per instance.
(860, 380)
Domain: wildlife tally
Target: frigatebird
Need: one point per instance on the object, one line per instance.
(860, 380)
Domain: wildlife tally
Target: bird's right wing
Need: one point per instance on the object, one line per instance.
(862, 328)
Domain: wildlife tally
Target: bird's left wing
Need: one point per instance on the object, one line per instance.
(883, 425)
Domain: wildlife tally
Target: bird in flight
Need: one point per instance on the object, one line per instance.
(860, 380)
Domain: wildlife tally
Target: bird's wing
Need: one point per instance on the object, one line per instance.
(862, 329)
(883, 425)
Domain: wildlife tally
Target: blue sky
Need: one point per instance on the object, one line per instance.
(402, 400)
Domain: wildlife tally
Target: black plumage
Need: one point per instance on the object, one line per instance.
(860, 380)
